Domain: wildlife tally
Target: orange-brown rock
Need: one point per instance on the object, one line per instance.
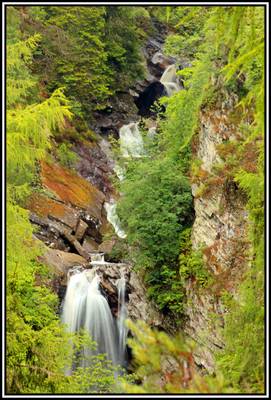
(72, 189)
(43, 206)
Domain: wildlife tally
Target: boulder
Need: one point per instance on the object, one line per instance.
(162, 60)
(94, 166)
(90, 245)
(81, 229)
(107, 246)
(60, 262)
(147, 98)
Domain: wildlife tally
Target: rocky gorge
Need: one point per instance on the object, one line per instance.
(69, 213)
(71, 218)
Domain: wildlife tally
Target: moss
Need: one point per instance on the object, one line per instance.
(71, 188)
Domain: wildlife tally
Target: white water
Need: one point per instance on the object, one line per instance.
(170, 81)
(152, 132)
(99, 322)
(131, 142)
(122, 316)
(113, 218)
(85, 307)
(120, 172)
(97, 256)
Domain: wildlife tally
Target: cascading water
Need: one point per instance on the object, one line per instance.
(170, 81)
(85, 307)
(113, 218)
(99, 322)
(131, 142)
(152, 132)
(122, 316)
(119, 172)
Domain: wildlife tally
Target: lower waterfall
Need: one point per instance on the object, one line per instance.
(85, 307)
(122, 315)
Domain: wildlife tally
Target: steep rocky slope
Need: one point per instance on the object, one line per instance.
(221, 226)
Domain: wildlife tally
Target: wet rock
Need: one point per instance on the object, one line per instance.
(107, 246)
(163, 61)
(122, 111)
(147, 98)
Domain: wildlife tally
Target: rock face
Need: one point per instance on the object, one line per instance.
(72, 189)
(94, 166)
(74, 218)
(221, 224)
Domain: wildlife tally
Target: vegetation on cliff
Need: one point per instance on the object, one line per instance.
(229, 59)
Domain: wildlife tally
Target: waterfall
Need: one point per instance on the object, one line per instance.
(131, 142)
(122, 316)
(170, 81)
(113, 218)
(73, 313)
(85, 307)
(120, 172)
(97, 257)
(99, 322)
(152, 132)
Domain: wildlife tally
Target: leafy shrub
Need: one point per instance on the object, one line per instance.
(156, 205)
(165, 364)
(191, 261)
(166, 289)
(65, 155)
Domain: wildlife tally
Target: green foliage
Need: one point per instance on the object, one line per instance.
(191, 261)
(38, 349)
(164, 364)
(242, 361)
(92, 51)
(77, 57)
(155, 207)
(65, 155)
(91, 372)
(19, 79)
(124, 36)
(28, 133)
(160, 198)
(182, 109)
(166, 289)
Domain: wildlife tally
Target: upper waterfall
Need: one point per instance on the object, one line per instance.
(170, 81)
(131, 142)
